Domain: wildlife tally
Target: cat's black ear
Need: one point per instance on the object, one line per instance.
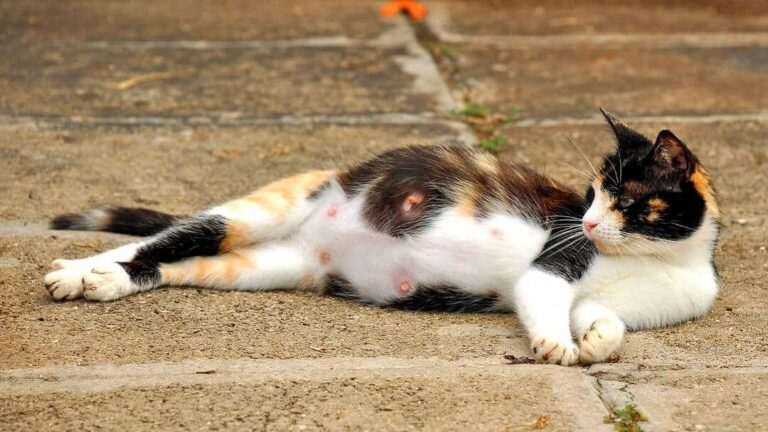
(671, 155)
(630, 142)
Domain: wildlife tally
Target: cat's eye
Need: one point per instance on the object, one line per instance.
(623, 203)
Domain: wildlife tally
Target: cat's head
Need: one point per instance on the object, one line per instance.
(647, 193)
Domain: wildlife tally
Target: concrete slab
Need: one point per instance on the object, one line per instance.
(141, 20)
(483, 18)
(43, 80)
(692, 398)
(562, 81)
(437, 397)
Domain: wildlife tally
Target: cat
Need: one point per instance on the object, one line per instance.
(446, 228)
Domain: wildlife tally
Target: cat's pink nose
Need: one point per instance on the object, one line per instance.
(589, 225)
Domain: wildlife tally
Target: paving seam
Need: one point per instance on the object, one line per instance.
(100, 378)
(759, 116)
(439, 22)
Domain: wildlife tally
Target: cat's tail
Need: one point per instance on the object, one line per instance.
(124, 220)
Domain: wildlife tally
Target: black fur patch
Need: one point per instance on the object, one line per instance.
(392, 177)
(197, 236)
(143, 274)
(121, 220)
(442, 299)
(567, 252)
(446, 299)
(138, 221)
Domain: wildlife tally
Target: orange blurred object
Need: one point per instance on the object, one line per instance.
(410, 7)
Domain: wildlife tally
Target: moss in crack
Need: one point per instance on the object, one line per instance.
(626, 419)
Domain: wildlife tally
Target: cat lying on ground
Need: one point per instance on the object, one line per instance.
(446, 228)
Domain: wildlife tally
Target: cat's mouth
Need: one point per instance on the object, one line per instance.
(613, 245)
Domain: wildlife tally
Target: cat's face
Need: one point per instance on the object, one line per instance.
(646, 194)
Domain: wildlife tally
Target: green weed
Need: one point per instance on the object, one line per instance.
(626, 419)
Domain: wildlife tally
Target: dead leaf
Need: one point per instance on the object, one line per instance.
(518, 360)
(228, 154)
(541, 422)
(153, 76)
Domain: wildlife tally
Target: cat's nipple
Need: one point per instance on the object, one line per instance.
(405, 286)
(332, 212)
(412, 200)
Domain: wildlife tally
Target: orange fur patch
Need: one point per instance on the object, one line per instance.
(466, 202)
(237, 236)
(617, 216)
(703, 186)
(279, 197)
(235, 264)
(307, 281)
(207, 271)
(657, 204)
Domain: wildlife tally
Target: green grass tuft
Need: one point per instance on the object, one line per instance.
(472, 109)
(492, 145)
(626, 419)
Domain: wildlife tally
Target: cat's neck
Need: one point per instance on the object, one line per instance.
(697, 248)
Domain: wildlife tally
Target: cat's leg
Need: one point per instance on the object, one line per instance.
(257, 268)
(598, 329)
(272, 212)
(543, 303)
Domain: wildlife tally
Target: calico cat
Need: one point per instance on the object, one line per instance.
(446, 228)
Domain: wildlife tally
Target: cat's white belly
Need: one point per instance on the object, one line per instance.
(479, 256)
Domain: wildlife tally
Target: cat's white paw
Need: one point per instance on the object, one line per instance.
(601, 339)
(65, 283)
(554, 351)
(105, 282)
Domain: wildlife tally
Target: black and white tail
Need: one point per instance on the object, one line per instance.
(123, 220)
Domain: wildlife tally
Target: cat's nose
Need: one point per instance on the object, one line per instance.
(589, 225)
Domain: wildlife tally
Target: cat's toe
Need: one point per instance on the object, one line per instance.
(65, 283)
(602, 339)
(107, 282)
(554, 351)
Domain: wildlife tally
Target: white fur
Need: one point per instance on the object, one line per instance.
(543, 303)
(675, 284)
(65, 281)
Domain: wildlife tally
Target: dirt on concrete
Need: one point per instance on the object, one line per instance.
(80, 128)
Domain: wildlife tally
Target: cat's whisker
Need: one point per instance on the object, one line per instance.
(582, 154)
(578, 171)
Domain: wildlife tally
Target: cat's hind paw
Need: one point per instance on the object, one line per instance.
(553, 351)
(106, 282)
(601, 339)
(65, 283)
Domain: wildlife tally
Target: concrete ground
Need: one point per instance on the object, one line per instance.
(178, 105)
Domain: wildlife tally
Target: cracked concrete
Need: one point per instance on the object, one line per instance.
(282, 87)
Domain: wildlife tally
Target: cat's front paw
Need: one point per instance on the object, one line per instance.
(601, 339)
(107, 282)
(554, 351)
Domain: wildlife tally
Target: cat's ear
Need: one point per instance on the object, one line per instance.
(630, 142)
(671, 155)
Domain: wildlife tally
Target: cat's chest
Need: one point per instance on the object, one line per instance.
(476, 255)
